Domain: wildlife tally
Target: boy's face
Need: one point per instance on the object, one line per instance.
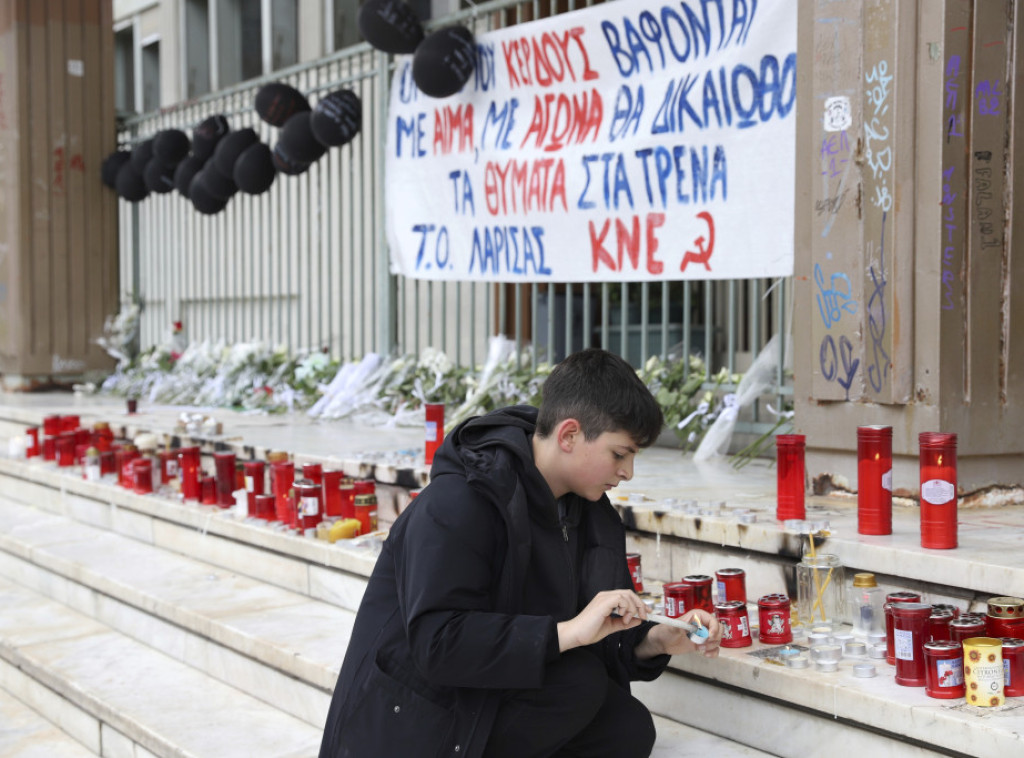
(603, 463)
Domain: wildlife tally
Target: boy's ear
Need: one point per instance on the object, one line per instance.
(567, 433)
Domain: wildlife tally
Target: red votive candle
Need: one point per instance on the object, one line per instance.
(308, 504)
(69, 423)
(49, 448)
(366, 512)
(910, 630)
(938, 624)
(142, 475)
(332, 492)
(125, 472)
(1013, 666)
(32, 449)
(52, 426)
(732, 616)
(263, 507)
(224, 465)
(254, 483)
(789, 451)
(314, 472)
(434, 430)
(937, 455)
(107, 462)
(732, 585)
(701, 584)
(890, 601)
(677, 598)
(874, 480)
(348, 497)
(966, 626)
(66, 449)
(636, 574)
(774, 620)
(168, 466)
(944, 669)
(188, 462)
(208, 490)
(102, 436)
(283, 475)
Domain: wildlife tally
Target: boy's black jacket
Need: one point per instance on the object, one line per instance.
(465, 596)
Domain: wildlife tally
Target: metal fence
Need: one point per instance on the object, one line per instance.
(305, 265)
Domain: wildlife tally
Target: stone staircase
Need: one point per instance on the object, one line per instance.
(139, 626)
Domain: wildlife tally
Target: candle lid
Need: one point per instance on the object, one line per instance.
(1006, 607)
(864, 580)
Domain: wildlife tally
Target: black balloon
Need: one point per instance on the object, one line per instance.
(337, 118)
(230, 147)
(390, 25)
(206, 136)
(444, 61)
(287, 163)
(170, 146)
(158, 177)
(111, 165)
(130, 184)
(254, 169)
(298, 140)
(202, 199)
(184, 173)
(277, 102)
(218, 185)
(141, 154)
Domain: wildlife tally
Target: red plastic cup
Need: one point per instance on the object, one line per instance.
(874, 480)
(790, 480)
(937, 456)
(434, 430)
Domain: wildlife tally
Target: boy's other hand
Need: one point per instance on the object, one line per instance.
(610, 611)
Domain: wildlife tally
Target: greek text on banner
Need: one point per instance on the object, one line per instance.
(630, 141)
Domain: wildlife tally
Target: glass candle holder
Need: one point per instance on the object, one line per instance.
(263, 507)
(314, 472)
(224, 466)
(874, 480)
(332, 493)
(866, 601)
(308, 504)
(789, 450)
(937, 456)
(910, 632)
(820, 588)
(188, 463)
(283, 476)
(434, 430)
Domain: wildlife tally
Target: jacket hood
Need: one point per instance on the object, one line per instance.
(482, 445)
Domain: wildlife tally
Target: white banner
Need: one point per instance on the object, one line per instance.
(631, 141)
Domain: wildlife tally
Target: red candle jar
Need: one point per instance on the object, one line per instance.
(789, 465)
(701, 584)
(314, 472)
(142, 476)
(308, 504)
(434, 430)
(52, 426)
(123, 463)
(874, 480)
(332, 493)
(224, 465)
(107, 462)
(188, 463)
(1013, 666)
(102, 436)
(365, 487)
(168, 466)
(910, 628)
(263, 507)
(937, 457)
(938, 624)
(677, 597)
(66, 449)
(348, 497)
(80, 454)
(69, 423)
(283, 475)
(49, 448)
(773, 613)
(208, 490)
(254, 483)
(83, 437)
(366, 512)
(943, 669)
(966, 626)
(891, 599)
(32, 449)
(635, 572)
(732, 584)
(732, 616)
(1005, 617)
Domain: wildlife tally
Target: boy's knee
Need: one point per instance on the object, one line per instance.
(584, 680)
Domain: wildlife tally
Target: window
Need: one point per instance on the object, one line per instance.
(151, 76)
(196, 57)
(124, 69)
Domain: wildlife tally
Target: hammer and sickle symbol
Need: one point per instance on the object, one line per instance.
(702, 254)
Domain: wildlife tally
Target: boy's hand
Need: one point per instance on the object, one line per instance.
(609, 611)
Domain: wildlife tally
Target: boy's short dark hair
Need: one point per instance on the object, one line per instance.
(603, 392)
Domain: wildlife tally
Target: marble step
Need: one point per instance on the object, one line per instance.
(251, 635)
(92, 680)
(26, 734)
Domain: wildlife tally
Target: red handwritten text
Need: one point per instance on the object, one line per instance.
(549, 59)
(559, 120)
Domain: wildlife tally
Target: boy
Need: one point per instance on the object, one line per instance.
(500, 620)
